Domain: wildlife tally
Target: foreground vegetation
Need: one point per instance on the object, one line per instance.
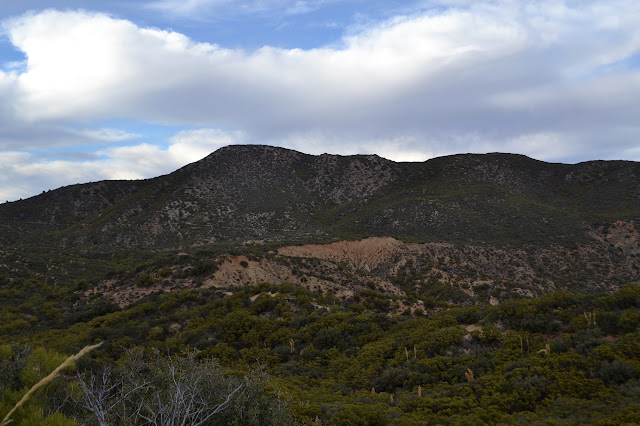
(282, 354)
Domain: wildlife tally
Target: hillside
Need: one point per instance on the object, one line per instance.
(325, 289)
(491, 226)
(266, 194)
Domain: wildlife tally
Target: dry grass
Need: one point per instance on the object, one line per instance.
(47, 379)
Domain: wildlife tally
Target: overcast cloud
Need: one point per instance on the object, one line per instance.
(558, 81)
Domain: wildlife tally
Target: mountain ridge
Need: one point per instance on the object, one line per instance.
(248, 199)
(273, 189)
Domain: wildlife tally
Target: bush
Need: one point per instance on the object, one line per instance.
(179, 390)
(615, 372)
(13, 359)
(145, 280)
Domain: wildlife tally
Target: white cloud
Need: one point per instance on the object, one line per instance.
(400, 148)
(397, 152)
(90, 65)
(301, 7)
(135, 162)
(203, 9)
(109, 135)
(632, 154)
(81, 64)
(7, 89)
(185, 7)
(15, 134)
(146, 160)
(23, 174)
(12, 186)
(192, 145)
(543, 146)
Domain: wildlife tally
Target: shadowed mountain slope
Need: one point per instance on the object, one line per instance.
(501, 217)
(267, 194)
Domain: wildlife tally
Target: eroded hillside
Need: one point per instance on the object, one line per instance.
(457, 228)
(416, 271)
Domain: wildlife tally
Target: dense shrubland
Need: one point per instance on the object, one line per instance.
(562, 357)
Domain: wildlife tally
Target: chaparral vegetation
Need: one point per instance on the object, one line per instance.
(265, 286)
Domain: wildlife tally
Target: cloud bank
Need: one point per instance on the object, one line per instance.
(558, 81)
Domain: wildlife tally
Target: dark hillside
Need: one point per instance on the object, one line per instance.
(267, 194)
(252, 198)
(60, 208)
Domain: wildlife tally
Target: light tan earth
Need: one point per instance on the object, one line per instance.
(365, 254)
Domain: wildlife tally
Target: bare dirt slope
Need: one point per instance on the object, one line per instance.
(367, 254)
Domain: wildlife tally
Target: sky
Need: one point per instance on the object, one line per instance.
(109, 89)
